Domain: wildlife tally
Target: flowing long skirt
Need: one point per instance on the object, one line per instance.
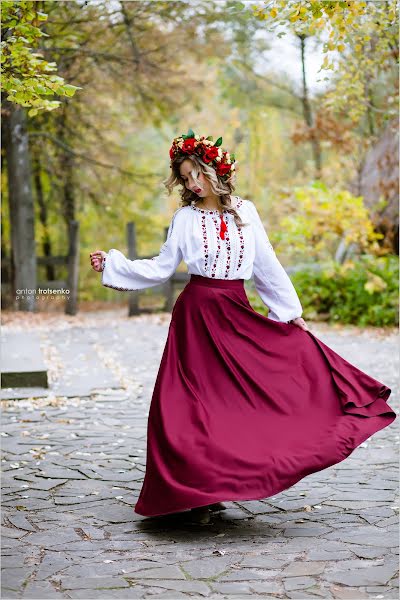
(244, 406)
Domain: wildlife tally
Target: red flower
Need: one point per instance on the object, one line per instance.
(188, 145)
(223, 169)
(210, 153)
(172, 152)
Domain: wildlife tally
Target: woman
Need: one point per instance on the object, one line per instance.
(244, 406)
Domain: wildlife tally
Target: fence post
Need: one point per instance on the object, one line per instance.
(132, 255)
(73, 269)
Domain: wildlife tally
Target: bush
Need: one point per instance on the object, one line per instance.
(358, 293)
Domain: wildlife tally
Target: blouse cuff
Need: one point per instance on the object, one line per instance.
(294, 318)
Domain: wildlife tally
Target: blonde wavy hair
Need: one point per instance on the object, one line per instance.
(220, 188)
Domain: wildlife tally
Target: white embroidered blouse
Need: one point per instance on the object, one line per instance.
(196, 236)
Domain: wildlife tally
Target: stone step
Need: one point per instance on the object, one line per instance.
(22, 362)
(80, 371)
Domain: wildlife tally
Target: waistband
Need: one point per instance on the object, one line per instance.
(213, 282)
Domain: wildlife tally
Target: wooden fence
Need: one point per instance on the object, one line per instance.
(71, 283)
(71, 260)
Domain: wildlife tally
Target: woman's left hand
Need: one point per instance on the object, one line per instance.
(300, 322)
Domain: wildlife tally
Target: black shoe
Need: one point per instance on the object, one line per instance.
(217, 506)
(200, 515)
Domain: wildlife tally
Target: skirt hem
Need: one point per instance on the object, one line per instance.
(236, 498)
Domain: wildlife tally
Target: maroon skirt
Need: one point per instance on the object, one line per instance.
(244, 406)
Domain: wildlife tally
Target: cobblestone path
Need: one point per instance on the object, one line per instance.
(73, 467)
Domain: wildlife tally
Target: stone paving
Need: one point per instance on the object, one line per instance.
(73, 467)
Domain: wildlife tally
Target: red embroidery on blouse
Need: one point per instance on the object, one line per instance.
(214, 267)
(205, 242)
(228, 254)
(241, 238)
(222, 231)
(241, 249)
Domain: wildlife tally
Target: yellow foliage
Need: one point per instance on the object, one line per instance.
(374, 283)
(321, 217)
(347, 266)
(354, 25)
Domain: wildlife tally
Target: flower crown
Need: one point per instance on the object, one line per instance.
(204, 148)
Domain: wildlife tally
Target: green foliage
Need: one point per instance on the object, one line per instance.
(189, 135)
(362, 293)
(26, 76)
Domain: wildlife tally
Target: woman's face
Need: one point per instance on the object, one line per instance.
(203, 187)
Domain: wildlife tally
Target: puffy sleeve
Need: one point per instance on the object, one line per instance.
(121, 273)
(270, 278)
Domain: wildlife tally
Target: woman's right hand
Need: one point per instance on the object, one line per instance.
(96, 259)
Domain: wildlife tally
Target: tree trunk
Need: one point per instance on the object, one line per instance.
(307, 112)
(68, 167)
(6, 274)
(21, 207)
(50, 272)
(378, 182)
(69, 189)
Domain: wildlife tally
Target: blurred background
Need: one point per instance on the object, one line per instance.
(305, 94)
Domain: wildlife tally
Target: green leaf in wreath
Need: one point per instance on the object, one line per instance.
(190, 133)
(210, 138)
(218, 142)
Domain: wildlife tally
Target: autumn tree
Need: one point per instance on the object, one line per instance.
(27, 81)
